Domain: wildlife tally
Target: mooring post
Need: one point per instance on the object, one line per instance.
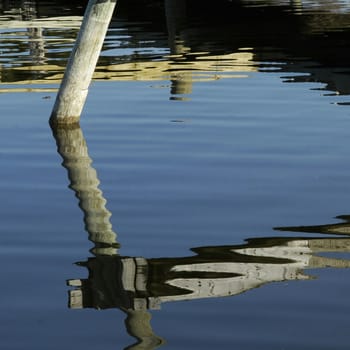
(73, 91)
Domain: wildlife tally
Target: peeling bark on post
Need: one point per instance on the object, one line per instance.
(82, 62)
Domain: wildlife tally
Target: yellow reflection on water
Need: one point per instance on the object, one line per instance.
(203, 68)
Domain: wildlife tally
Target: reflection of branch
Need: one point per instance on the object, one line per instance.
(338, 229)
(138, 324)
(84, 182)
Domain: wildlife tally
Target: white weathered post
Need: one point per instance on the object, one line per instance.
(82, 62)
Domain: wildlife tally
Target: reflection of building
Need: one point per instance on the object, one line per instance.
(139, 283)
(173, 49)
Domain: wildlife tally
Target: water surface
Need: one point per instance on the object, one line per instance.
(207, 186)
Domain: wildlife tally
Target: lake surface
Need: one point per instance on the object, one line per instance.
(204, 201)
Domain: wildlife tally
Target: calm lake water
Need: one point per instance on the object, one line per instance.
(205, 201)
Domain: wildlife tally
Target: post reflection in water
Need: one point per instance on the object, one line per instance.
(136, 284)
(84, 182)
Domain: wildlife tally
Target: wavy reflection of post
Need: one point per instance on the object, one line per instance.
(84, 182)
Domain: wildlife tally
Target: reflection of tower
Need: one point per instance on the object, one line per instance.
(296, 3)
(36, 41)
(26, 11)
(29, 9)
(36, 45)
(175, 11)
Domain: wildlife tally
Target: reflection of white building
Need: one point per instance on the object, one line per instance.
(138, 283)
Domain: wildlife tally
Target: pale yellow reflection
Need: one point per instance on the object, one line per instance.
(181, 67)
(203, 68)
(16, 22)
(215, 271)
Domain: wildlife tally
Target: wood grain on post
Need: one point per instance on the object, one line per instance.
(82, 62)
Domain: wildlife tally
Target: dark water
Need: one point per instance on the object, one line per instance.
(208, 186)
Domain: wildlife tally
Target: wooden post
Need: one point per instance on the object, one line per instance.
(82, 62)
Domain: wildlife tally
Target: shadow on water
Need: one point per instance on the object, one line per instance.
(137, 284)
(185, 43)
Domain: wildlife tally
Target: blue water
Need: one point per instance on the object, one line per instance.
(228, 162)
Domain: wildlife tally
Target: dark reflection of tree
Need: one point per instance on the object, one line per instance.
(342, 228)
(136, 284)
